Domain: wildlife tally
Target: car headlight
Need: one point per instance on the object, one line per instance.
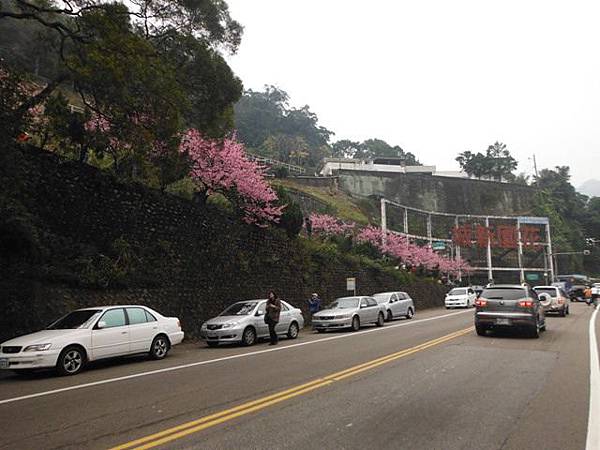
(37, 348)
(230, 324)
(343, 316)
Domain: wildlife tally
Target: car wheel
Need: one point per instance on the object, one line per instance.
(160, 347)
(380, 320)
(249, 337)
(71, 361)
(480, 329)
(390, 316)
(293, 331)
(212, 344)
(355, 323)
(410, 313)
(568, 312)
(562, 312)
(535, 331)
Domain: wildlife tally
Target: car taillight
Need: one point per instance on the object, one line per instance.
(561, 300)
(178, 324)
(480, 302)
(526, 304)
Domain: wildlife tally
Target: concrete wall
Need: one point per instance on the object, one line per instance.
(442, 194)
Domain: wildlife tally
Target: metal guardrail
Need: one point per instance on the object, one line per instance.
(275, 163)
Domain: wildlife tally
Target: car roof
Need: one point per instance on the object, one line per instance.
(387, 293)
(507, 286)
(111, 306)
(546, 287)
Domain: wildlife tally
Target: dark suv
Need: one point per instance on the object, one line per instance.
(509, 305)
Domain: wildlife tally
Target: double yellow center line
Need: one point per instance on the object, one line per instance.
(203, 423)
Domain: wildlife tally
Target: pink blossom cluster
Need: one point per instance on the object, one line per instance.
(400, 247)
(222, 166)
(326, 225)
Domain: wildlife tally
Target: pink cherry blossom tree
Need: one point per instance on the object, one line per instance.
(222, 166)
(326, 225)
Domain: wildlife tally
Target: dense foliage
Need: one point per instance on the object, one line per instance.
(148, 68)
(575, 220)
(270, 127)
(496, 164)
(372, 148)
(402, 250)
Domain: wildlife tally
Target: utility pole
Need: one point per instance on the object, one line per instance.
(535, 167)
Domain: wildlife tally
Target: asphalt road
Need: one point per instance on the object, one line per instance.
(428, 383)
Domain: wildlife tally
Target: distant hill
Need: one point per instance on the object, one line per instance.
(591, 188)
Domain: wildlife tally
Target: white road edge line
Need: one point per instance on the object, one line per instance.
(225, 358)
(593, 432)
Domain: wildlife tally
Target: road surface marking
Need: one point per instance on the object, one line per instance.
(593, 433)
(216, 360)
(203, 423)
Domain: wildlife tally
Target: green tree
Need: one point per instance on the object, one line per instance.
(268, 125)
(147, 68)
(497, 163)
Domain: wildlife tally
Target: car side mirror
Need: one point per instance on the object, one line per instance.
(101, 324)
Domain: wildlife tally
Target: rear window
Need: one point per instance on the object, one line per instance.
(551, 292)
(504, 293)
(456, 291)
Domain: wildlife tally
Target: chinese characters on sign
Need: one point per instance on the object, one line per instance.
(500, 236)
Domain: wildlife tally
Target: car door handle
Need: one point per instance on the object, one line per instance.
(155, 328)
(123, 332)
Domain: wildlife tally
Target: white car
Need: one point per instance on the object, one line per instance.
(90, 334)
(397, 304)
(462, 297)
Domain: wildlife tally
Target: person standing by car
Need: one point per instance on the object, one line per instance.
(272, 316)
(314, 304)
(587, 294)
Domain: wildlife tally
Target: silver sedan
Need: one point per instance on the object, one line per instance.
(349, 312)
(243, 322)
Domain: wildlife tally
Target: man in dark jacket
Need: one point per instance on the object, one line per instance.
(314, 304)
(272, 316)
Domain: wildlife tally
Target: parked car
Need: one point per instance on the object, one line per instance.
(90, 334)
(510, 306)
(462, 297)
(243, 322)
(397, 304)
(558, 300)
(350, 312)
(595, 290)
(576, 293)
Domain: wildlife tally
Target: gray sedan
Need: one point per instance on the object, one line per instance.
(349, 312)
(397, 304)
(243, 322)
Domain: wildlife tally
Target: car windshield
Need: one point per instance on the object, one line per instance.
(345, 303)
(76, 319)
(239, 309)
(457, 291)
(549, 291)
(381, 298)
(504, 293)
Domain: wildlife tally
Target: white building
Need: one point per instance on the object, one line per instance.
(394, 165)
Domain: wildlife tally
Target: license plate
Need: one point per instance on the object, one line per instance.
(211, 335)
(502, 321)
(4, 363)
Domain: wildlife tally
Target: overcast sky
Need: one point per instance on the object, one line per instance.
(437, 77)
